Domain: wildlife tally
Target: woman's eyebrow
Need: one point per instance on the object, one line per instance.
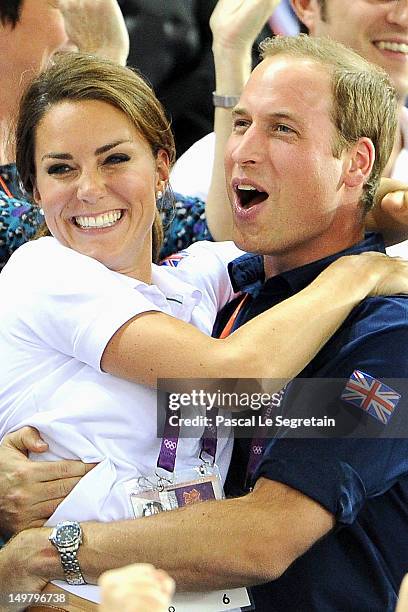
(98, 151)
(57, 156)
(109, 146)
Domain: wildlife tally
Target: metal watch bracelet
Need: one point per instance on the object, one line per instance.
(71, 567)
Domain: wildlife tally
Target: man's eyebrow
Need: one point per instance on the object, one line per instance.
(239, 111)
(98, 151)
(280, 115)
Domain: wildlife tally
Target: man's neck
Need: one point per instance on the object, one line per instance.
(295, 258)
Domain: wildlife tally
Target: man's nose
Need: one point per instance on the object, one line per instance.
(249, 148)
(91, 187)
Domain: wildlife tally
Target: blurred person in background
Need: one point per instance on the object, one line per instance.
(376, 30)
(31, 32)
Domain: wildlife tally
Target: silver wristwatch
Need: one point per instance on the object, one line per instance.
(67, 538)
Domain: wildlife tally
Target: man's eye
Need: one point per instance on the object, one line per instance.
(117, 158)
(59, 169)
(285, 129)
(239, 124)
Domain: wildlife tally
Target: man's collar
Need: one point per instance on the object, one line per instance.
(247, 272)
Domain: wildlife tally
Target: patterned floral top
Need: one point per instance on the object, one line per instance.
(184, 224)
(19, 219)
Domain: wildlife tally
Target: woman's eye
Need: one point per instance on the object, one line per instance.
(59, 169)
(117, 158)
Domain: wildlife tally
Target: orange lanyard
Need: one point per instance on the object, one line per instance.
(5, 188)
(230, 323)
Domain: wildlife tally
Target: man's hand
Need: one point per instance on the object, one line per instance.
(136, 588)
(20, 572)
(237, 23)
(96, 27)
(30, 491)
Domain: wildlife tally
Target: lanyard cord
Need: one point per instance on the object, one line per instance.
(230, 324)
(5, 188)
(168, 449)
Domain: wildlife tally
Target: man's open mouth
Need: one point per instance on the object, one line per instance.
(249, 196)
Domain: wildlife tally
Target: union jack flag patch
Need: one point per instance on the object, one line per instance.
(173, 260)
(371, 395)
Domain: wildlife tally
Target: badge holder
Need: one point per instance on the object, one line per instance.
(156, 493)
(169, 489)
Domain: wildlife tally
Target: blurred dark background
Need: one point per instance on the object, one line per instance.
(170, 43)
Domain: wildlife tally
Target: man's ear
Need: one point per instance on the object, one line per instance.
(162, 169)
(359, 163)
(308, 11)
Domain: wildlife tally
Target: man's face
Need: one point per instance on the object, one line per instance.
(376, 29)
(281, 146)
(39, 33)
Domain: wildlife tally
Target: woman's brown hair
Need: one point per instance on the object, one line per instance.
(77, 77)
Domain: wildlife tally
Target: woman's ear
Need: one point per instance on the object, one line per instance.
(36, 195)
(162, 169)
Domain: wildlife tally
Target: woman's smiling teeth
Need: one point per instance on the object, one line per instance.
(393, 46)
(100, 221)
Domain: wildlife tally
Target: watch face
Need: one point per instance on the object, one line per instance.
(67, 534)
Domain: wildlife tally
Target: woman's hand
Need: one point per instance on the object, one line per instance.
(390, 213)
(376, 273)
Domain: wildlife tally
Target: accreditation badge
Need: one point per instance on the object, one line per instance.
(157, 493)
(160, 493)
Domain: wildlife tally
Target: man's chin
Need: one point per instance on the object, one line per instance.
(249, 246)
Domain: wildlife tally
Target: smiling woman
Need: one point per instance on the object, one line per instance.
(99, 200)
(86, 167)
(94, 149)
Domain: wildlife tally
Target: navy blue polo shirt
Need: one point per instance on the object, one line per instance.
(359, 566)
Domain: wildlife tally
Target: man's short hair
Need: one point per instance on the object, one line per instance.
(10, 11)
(364, 99)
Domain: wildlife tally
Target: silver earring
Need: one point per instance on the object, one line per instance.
(41, 211)
(159, 195)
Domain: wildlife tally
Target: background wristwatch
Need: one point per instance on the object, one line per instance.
(67, 538)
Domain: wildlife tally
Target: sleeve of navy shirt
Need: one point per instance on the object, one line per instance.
(343, 473)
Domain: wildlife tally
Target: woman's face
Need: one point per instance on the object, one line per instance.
(96, 180)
